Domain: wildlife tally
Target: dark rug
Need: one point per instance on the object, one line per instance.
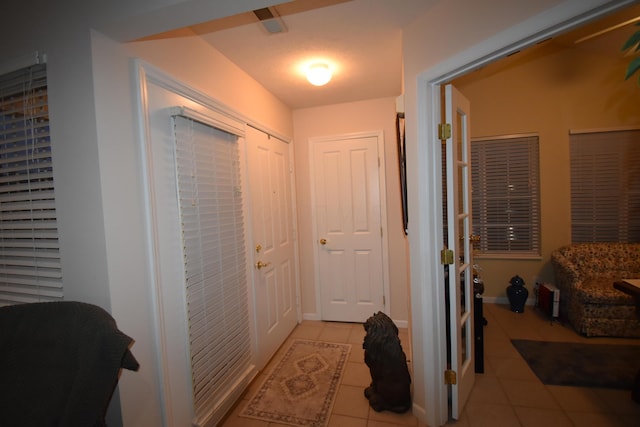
(582, 365)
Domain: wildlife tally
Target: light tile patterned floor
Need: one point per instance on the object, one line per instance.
(507, 394)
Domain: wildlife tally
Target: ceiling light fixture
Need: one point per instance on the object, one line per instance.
(319, 74)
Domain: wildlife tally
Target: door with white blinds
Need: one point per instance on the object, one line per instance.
(215, 265)
(29, 253)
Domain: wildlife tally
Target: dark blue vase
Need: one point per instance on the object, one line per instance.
(517, 294)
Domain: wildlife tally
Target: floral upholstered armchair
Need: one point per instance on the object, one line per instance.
(585, 274)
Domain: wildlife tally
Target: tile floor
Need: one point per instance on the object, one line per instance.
(507, 394)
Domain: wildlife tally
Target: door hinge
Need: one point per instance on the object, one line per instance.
(450, 377)
(384, 301)
(444, 131)
(446, 256)
(381, 232)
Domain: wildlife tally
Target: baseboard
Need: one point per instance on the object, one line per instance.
(402, 324)
(505, 300)
(311, 316)
(419, 412)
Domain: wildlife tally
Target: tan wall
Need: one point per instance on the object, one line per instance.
(372, 115)
(548, 92)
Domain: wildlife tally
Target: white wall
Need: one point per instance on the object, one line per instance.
(370, 115)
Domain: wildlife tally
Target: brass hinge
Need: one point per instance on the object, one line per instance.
(444, 131)
(450, 377)
(446, 256)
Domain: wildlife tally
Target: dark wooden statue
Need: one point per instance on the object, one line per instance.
(390, 380)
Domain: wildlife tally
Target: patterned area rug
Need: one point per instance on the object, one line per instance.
(301, 389)
(582, 365)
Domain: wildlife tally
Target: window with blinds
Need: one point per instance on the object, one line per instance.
(506, 195)
(29, 253)
(605, 186)
(211, 210)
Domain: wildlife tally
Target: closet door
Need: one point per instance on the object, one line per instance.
(274, 263)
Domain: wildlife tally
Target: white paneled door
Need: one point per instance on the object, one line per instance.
(274, 264)
(348, 210)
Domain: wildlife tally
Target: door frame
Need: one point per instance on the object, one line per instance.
(424, 172)
(379, 135)
(170, 327)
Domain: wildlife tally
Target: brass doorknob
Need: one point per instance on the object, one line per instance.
(261, 264)
(323, 241)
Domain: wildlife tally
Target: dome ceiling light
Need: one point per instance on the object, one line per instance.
(319, 74)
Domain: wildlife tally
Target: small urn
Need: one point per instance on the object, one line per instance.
(517, 294)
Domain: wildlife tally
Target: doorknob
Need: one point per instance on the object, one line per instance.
(261, 264)
(323, 241)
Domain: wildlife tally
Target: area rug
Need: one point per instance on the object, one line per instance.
(301, 389)
(582, 365)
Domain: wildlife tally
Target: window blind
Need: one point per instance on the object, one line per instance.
(505, 195)
(605, 186)
(211, 210)
(29, 252)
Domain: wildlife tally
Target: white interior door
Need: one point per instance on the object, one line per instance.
(274, 264)
(348, 208)
(460, 281)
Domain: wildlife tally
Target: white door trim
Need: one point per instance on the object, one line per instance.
(424, 170)
(379, 134)
(170, 328)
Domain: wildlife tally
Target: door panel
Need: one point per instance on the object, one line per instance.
(273, 241)
(347, 205)
(460, 283)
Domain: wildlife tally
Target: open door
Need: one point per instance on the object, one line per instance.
(457, 255)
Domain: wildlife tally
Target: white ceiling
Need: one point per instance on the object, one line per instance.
(360, 39)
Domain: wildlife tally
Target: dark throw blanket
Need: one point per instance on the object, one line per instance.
(59, 364)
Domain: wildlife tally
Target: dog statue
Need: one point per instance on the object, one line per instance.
(390, 380)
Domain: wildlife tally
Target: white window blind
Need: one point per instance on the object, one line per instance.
(605, 186)
(215, 264)
(29, 253)
(505, 195)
